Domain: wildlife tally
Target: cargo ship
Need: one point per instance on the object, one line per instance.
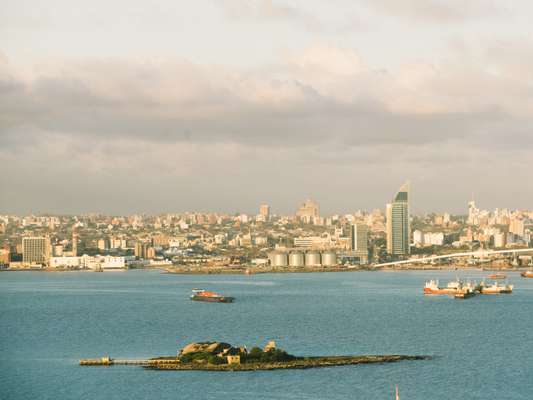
(495, 288)
(432, 287)
(211, 297)
(527, 274)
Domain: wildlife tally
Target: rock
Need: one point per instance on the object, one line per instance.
(207, 347)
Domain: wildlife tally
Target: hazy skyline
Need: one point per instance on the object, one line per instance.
(222, 105)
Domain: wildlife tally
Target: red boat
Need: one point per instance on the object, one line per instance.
(497, 276)
(211, 297)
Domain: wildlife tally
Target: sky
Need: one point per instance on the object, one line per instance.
(220, 105)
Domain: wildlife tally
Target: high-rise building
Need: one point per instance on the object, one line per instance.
(517, 227)
(160, 240)
(473, 213)
(5, 255)
(398, 229)
(359, 237)
(74, 244)
(264, 211)
(35, 250)
(144, 251)
(141, 249)
(359, 241)
(308, 211)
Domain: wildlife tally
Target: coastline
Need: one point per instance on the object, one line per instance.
(274, 270)
(174, 364)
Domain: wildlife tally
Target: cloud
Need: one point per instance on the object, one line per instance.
(443, 11)
(269, 10)
(120, 129)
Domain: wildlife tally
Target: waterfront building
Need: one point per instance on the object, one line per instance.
(398, 225)
(359, 241)
(141, 249)
(65, 262)
(35, 250)
(5, 256)
(359, 237)
(150, 253)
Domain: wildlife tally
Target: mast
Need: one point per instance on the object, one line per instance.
(397, 393)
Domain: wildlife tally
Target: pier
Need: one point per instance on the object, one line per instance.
(108, 361)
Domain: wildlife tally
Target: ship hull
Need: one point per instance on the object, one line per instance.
(527, 274)
(463, 295)
(496, 291)
(439, 292)
(208, 299)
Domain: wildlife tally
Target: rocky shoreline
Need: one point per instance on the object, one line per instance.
(302, 363)
(221, 356)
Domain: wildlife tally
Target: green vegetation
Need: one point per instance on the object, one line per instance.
(256, 355)
(202, 357)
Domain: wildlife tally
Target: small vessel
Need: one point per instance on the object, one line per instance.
(527, 274)
(495, 288)
(497, 276)
(212, 297)
(466, 291)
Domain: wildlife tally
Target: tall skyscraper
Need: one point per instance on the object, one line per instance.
(74, 243)
(308, 211)
(359, 241)
(398, 229)
(473, 213)
(264, 211)
(35, 250)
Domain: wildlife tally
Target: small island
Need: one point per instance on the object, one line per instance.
(220, 356)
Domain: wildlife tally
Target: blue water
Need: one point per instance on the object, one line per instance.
(483, 346)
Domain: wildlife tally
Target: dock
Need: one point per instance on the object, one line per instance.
(108, 361)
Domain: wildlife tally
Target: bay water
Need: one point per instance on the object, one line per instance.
(482, 346)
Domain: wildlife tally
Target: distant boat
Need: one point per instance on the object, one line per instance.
(432, 287)
(210, 297)
(527, 274)
(466, 291)
(497, 276)
(495, 288)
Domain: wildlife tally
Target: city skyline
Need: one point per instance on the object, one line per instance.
(266, 209)
(223, 105)
(261, 187)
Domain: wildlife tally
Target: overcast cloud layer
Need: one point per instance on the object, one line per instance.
(340, 103)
